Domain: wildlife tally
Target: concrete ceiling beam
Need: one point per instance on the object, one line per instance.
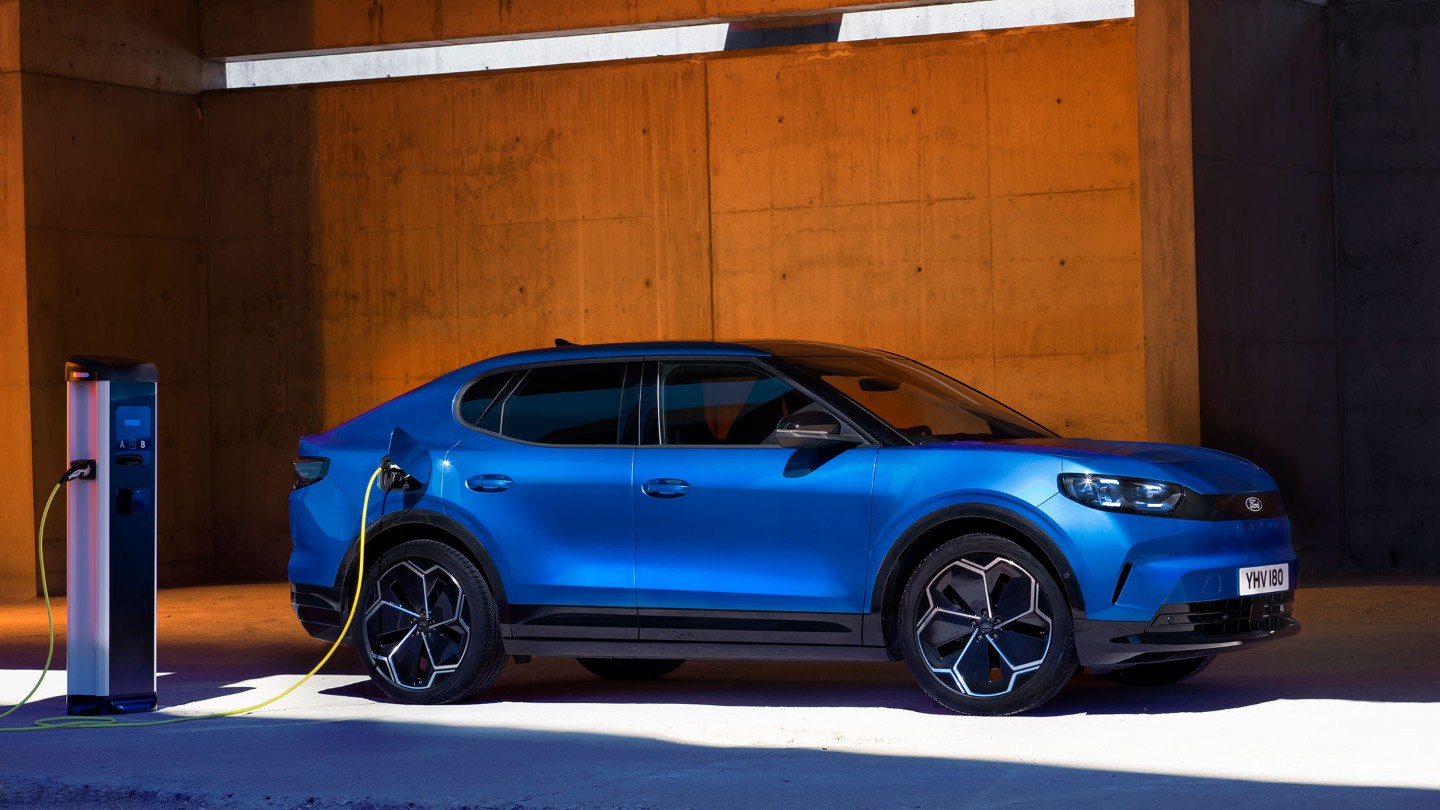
(232, 29)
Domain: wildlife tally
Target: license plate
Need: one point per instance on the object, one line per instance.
(1264, 579)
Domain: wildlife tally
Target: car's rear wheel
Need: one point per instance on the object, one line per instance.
(1162, 673)
(427, 629)
(631, 669)
(985, 629)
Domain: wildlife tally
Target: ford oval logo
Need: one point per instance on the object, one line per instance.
(1254, 504)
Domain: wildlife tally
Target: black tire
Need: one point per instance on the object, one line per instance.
(426, 630)
(1163, 673)
(970, 612)
(631, 669)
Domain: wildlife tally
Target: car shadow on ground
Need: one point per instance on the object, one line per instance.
(889, 686)
(1360, 643)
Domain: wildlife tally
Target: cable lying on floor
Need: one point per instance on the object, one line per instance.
(79, 470)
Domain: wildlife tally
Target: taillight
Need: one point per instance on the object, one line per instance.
(308, 470)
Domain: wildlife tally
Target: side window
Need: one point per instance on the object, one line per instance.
(477, 398)
(723, 404)
(571, 404)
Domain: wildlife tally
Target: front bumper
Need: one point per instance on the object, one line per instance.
(1186, 630)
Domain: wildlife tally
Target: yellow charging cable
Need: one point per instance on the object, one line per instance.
(44, 589)
(68, 721)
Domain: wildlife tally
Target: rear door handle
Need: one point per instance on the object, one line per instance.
(665, 487)
(489, 483)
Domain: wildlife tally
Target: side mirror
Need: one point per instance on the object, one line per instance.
(810, 430)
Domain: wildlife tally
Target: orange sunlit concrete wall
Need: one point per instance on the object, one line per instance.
(971, 200)
(16, 556)
(968, 201)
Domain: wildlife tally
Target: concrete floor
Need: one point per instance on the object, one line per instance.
(1348, 711)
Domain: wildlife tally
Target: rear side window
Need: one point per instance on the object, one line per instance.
(577, 404)
(479, 396)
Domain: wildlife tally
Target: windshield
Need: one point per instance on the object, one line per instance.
(919, 402)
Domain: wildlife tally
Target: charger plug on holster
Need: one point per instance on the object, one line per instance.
(83, 468)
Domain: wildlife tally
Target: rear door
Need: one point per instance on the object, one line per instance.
(546, 480)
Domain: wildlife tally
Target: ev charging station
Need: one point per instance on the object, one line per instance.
(110, 536)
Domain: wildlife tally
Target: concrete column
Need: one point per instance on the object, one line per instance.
(17, 537)
(1264, 247)
(1386, 78)
(1167, 220)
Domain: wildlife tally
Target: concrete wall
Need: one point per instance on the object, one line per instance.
(17, 543)
(970, 200)
(1264, 253)
(1387, 133)
(114, 243)
(983, 191)
(145, 44)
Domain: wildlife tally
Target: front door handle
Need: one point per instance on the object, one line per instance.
(489, 483)
(665, 487)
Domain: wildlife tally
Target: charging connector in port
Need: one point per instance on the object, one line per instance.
(395, 479)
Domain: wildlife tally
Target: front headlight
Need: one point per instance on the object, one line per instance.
(1110, 493)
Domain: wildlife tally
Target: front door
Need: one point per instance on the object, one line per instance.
(734, 533)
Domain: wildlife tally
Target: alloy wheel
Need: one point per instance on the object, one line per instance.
(415, 624)
(985, 628)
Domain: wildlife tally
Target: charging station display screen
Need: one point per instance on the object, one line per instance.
(132, 428)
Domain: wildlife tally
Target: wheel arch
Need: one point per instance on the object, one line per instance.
(928, 533)
(397, 527)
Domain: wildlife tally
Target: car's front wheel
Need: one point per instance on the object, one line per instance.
(985, 629)
(427, 629)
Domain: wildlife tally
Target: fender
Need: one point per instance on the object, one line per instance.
(887, 578)
(452, 527)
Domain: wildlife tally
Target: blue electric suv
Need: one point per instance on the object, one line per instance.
(637, 505)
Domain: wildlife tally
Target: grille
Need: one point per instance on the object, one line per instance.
(1226, 617)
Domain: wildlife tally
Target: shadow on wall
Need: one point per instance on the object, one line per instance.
(268, 375)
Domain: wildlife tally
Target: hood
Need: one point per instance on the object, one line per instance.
(1201, 469)
(1151, 452)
